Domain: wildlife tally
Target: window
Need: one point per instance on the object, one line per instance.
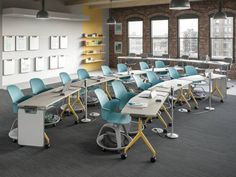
(223, 39)
(188, 36)
(135, 35)
(159, 39)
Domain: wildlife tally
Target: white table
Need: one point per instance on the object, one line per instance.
(31, 117)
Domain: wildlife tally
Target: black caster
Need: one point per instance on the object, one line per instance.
(153, 159)
(103, 150)
(76, 122)
(164, 131)
(14, 140)
(189, 110)
(54, 125)
(180, 103)
(123, 156)
(170, 124)
(196, 107)
(47, 146)
(145, 126)
(149, 121)
(222, 101)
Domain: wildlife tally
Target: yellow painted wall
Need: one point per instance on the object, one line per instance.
(94, 25)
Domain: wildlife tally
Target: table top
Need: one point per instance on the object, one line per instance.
(152, 107)
(220, 63)
(46, 99)
(93, 81)
(194, 78)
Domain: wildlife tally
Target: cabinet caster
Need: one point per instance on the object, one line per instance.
(153, 159)
(222, 101)
(47, 146)
(123, 156)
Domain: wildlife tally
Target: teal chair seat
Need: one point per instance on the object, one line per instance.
(140, 84)
(37, 86)
(153, 79)
(121, 93)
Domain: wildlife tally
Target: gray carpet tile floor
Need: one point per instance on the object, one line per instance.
(206, 148)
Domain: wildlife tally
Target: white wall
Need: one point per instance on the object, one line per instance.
(44, 29)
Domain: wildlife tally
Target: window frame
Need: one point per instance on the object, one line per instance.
(159, 17)
(187, 16)
(128, 38)
(233, 37)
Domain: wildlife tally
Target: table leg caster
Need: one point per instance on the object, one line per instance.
(222, 101)
(164, 131)
(196, 107)
(76, 122)
(153, 159)
(47, 146)
(123, 156)
(189, 110)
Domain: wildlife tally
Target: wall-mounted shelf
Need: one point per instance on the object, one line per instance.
(99, 45)
(94, 61)
(87, 54)
(31, 13)
(93, 37)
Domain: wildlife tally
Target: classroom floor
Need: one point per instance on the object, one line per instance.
(206, 147)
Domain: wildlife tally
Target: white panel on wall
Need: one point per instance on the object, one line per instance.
(63, 42)
(39, 63)
(25, 65)
(8, 67)
(21, 43)
(34, 42)
(61, 61)
(53, 62)
(9, 43)
(54, 42)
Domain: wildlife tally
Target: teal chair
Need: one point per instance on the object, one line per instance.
(106, 70)
(122, 68)
(37, 86)
(140, 84)
(174, 74)
(121, 93)
(153, 79)
(17, 97)
(143, 65)
(190, 70)
(115, 121)
(161, 64)
(83, 74)
(65, 78)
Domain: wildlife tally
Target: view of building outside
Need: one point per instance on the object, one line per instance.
(159, 37)
(222, 38)
(135, 34)
(188, 37)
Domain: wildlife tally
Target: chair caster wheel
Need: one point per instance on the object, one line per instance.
(47, 146)
(196, 107)
(170, 124)
(164, 131)
(153, 159)
(123, 156)
(76, 122)
(189, 110)
(103, 150)
(222, 101)
(54, 125)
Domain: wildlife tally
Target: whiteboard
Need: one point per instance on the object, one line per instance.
(25, 65)
(61, 61)
(34, 42)
(8, 67)
(53, 62)
(54, 42)
(21, 43)
(9, 43)
(63, 42)
(39, 63)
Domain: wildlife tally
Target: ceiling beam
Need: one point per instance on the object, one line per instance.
(94, 2)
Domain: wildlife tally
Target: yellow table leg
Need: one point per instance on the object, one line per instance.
(78, 100)
(107, 91)
(167, 113)
(68, 106)
(192, 96)
(185, 100)
(139, 135)
(162, 120)
(216, 89)
(47, 140)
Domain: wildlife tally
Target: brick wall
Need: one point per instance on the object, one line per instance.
(202, 9)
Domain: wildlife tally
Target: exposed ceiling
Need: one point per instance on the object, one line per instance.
(117, 3)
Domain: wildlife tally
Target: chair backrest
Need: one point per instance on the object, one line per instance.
(143, 65)
(65, 77)
(153, 78)
(119, 89)
(102, 97)
(138, 80)
(160, 64)
(15, 93)
(106, 70)
(122, 67)
(173, 73)
(82, 74)
(190, 70)
(37, 86)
